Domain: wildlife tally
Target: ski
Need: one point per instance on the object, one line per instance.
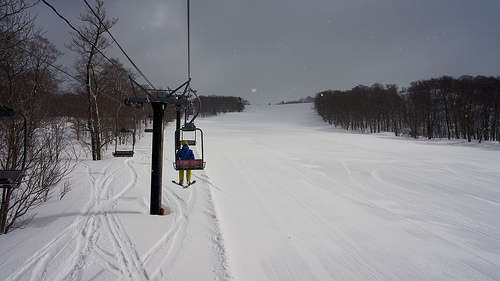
(184, 186)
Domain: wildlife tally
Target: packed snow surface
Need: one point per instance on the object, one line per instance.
(283, 197)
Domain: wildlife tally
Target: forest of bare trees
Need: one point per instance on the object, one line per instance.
(27, 85)
(461, 108)
(213, 105)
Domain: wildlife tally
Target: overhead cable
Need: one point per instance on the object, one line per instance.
(123, 51)
(85, 39)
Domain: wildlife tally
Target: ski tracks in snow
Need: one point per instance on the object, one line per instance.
(96, 235)
(345, 210)
(424, 197)
(98, 245)
(163, 253)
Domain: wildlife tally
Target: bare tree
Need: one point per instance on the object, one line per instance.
(90, 43)
(16, 27)
(48, 163)
(26, 84)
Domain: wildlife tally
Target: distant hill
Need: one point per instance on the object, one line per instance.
(302, 100)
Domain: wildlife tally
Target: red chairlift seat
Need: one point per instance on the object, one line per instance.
(190, 142)
(192, 164)
(11, 178)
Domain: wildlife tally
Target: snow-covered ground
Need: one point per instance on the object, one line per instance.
(283, 197)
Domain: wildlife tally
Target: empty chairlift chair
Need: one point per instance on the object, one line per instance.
(122, 135)
(13, 178)
(122, 138)
(149, 123)
(188, 136)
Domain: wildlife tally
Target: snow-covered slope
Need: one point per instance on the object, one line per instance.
(283, 197)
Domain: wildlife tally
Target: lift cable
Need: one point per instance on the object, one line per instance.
(119, 46)
(61, 70)
(188, 43)
(86, 40)
(190, 90)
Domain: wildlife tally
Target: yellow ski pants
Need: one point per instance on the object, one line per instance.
(181, 175)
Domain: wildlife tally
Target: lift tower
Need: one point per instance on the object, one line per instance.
(159, 99)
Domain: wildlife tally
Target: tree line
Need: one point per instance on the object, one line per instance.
(461, 108)
(214, 105)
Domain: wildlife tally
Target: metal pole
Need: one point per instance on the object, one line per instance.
(157, 159)
(178, 144)
(189, 43)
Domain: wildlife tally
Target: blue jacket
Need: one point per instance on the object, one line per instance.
(184, 154)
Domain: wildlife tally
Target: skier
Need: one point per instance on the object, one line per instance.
(184, 154)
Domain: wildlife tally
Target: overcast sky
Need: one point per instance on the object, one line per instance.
(268, 51)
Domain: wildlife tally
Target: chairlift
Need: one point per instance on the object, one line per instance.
(188, 134)
(149, 123)
(122, 134)
(192, 164)
(13, 178)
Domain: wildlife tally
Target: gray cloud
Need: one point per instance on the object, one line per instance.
(285, 50)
